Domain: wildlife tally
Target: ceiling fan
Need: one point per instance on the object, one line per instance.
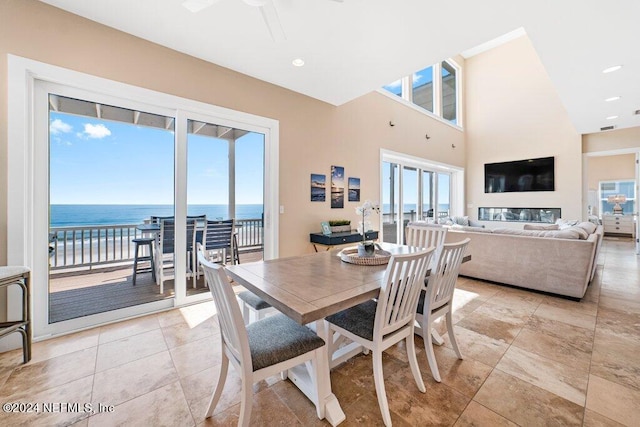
(267, 8)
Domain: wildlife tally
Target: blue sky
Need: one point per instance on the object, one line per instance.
(96, 161)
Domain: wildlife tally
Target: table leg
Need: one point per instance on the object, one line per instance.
(332, 410)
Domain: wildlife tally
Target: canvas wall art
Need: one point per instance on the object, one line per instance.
(337, 187)
(354, 189)
(318, 187)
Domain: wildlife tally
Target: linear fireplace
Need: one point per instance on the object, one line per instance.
(544, 215)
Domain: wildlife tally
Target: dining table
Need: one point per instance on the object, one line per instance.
(309, 287)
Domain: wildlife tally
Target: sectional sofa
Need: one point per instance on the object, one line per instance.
(550, 259)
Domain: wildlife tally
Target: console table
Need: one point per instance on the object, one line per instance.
(618, 224)
(335, 239)
(19, 276)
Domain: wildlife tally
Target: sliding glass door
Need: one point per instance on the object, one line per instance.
(110, 181)
(110, 170)
(414, 190)
(225, 181)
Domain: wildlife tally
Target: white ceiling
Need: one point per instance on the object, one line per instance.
(356, 46)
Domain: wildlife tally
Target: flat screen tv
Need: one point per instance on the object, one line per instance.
(521, 175)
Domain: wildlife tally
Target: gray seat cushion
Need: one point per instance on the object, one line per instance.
(253, 300)
(278, 338)
(421, 299)
(358, 320)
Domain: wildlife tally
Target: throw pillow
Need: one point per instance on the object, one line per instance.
(474, 223)
(582, 233)
(445, 221)
(566, 223)
(461, 220)
(587, 226)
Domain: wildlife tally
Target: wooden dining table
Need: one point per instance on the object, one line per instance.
(307, 288)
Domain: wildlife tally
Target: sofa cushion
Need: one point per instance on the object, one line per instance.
(567, 233)
(476, 229)
(541, 227)
(587, 226)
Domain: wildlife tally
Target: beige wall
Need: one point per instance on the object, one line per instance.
(514, 113)
(609, 168)
(313, 135)
(611, 140)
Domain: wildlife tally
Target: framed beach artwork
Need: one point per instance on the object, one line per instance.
(318, 187)
(354, 189)
(337, 187)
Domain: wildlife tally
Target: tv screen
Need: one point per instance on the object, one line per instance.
(521, 175)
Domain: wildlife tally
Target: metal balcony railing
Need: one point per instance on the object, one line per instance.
(90, 246)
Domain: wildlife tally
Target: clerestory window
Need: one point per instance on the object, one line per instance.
(435, 89)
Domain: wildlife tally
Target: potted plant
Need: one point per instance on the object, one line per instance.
(340, 225)
(366, 248)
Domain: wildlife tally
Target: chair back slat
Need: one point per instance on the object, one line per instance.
(425, 235)
(400, 290)
(234, 333)
(442, 281)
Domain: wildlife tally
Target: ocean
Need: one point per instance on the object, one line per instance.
(81, 215)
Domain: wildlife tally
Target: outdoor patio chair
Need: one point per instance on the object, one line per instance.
(165, 250)
(436, 301)
(219, 240)
(379, 324)
(262, 349)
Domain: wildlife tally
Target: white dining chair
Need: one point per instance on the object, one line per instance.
(264, 348)
(379, 324)
(421, 234)
(253, 307)
(436, 301)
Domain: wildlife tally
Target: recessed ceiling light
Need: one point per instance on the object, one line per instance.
(612, 117)
(298, 62)
(613, 98)
(197, 5)
(612, 69)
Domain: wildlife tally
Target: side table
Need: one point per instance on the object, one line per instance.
(20, 276)
(335, 239)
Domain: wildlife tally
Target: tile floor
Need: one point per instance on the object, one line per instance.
(530, 359)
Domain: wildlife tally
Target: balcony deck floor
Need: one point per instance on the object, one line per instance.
(83, 293)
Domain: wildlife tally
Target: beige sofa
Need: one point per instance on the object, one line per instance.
(529, 259)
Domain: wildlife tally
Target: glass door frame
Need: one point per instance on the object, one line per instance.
(28, 178)
(456, 198)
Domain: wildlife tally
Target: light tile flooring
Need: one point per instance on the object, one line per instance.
(530, 359)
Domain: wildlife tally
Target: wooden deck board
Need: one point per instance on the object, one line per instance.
(83, 293)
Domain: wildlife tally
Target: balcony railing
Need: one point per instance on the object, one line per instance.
(89, 246)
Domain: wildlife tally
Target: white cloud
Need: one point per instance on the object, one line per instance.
(416, 77)
(397, 83)
(58, 126)
(96, 131)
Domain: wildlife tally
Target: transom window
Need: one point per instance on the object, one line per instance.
(434, 89)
